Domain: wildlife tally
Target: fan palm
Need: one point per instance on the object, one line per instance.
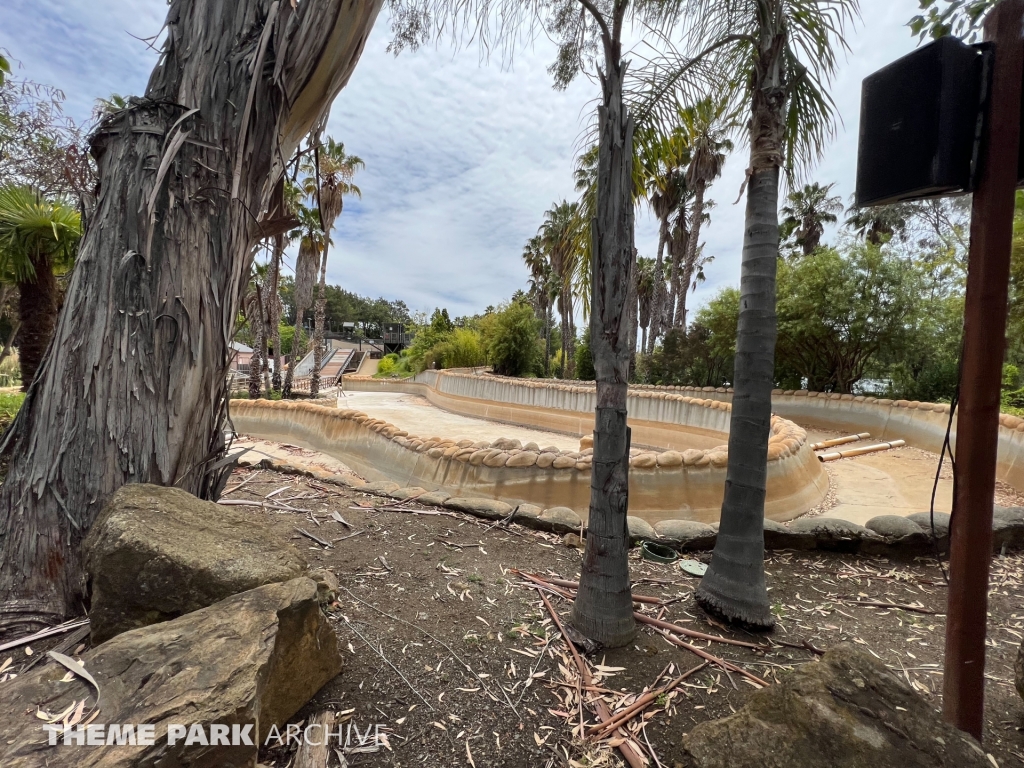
(328, 180)
(705, 124)
(807, 212)
(647, 278)
(536, 261)
(312, 243)
(880, 224)
(38, 240)
(559, 236)
(776, 58)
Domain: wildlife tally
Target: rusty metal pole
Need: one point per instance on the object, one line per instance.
(974, 476)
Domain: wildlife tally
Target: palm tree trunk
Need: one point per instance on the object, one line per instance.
(734, 585)
(675, 253)
(297, 353)
(255, 362)
(9, 343)
(690, 260)
(37, 308)
(275, 311)
(603, 609)
(643, 338)
(658, 303)
(565, 335)
(547, 337)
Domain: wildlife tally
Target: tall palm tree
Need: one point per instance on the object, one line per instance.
(647, 278)
(559, 236)
(38, 241)
(254, 308)
(312, 242)
(706, 124)
(807, 212)
(779, 56)
(536, 261)
(291, 196)
(328, 180)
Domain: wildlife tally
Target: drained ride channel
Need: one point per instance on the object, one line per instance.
(679, 459)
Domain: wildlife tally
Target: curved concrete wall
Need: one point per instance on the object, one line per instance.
(687, 483)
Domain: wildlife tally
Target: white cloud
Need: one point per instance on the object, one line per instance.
(462, 158)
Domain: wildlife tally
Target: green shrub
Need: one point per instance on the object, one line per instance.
(512, 340)
(387, 365)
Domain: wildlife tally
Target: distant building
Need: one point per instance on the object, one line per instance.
(240, 357)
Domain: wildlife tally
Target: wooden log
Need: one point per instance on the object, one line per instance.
(315, 751)
(861, 451)
(840, 441)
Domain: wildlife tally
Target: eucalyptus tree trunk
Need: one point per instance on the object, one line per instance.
(37, 308)
(734, 585)
(133, 388)
(603, 609)
(690, 259)
(274, 311)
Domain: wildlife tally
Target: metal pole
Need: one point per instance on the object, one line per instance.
(984, 345)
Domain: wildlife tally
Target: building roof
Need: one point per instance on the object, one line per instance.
(237, 346)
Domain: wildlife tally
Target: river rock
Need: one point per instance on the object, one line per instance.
(492, 509)
(893, 526)
(407, 493)
(1009, 514)
(155, 553)
(923, 519)
(383, 487)
(527, 512)
(833, 534)
(686, 534)
(435, 498)
(846, 711)
(559, 520)
(255, 658)
(639, 528)
(778, 536)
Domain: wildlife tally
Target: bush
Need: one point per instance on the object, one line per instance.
(512, 340)
(585, 359)
(387, 365)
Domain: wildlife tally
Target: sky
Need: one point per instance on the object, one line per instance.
(463, 154)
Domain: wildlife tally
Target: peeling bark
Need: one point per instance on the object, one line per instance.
(133, 387)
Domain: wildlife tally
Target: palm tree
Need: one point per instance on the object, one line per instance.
(328, 180)
(705, 124)
(291, 197)
(38, 241)
(541, 287)
(647, 278)
(778, 56)
(253, 306)
(312, 241)
(559, 236)
(806, 214)
(880, 224)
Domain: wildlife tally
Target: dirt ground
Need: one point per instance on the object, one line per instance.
(459, 663)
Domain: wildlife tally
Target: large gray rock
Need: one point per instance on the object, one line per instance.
(923, 519)
(778, 536)
(559, 520)
(639, 528)
(155, 553)
(833, 534)
(893, 526)
(492, 509)
(846, 711)
(686, 534)
(1009, 514)
(254, 658)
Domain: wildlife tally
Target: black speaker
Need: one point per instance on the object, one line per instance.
(919, 123)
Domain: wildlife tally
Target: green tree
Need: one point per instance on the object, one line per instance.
(560, 238)
(38, 241)
(312, 242)
(780, 55)
(962, 18)
(839, 311)
(806, 213)
(511, 337)
(542, 286)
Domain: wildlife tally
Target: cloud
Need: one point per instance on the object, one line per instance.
(462, 156)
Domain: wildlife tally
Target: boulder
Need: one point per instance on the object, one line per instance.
(686, 534)
(1008, 533)
(436, 498)
(778, 536)
(846, 711)
(383, 487)
(527, 512)
(253, 659)
(1009, 514)
(833, 534)
(639, 528)
(559, 520)
(492, 509)
(923, 519)
(893, 526)
(155, 553)
(407, 493)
